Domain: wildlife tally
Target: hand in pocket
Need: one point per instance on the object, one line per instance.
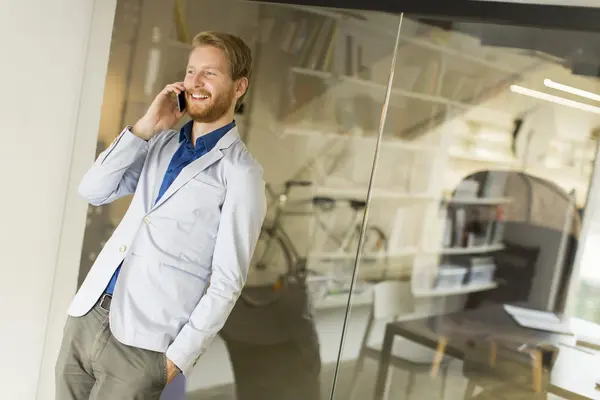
(172, 370)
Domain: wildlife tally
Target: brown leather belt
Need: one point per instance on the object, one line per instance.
(104, 302)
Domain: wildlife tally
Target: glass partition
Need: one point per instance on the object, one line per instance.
(420, 175)
(483, 175)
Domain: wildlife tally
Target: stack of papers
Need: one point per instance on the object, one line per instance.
(541, 320)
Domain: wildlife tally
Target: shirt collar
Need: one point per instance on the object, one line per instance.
(210, 139)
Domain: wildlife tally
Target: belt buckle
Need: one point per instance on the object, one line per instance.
(105, 302)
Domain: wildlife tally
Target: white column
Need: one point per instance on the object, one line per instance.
(53, 58)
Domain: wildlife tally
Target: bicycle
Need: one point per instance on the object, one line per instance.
(277, 262)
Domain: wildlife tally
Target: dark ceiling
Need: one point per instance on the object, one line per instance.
(531, 15)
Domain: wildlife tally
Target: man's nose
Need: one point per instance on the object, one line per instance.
(198, 80)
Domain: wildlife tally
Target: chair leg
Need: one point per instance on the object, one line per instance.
(444, 381)
(360, 361)
(358, 368)
(439, 355)
(470, 391)
(412, 377)
(388, 383)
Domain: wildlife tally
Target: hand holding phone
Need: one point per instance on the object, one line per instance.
(163, 113)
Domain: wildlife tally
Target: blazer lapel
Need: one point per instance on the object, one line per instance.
(190, 171)
(195, 167)
(166, 153)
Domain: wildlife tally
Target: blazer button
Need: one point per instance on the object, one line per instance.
(146, 220)
(122, 248)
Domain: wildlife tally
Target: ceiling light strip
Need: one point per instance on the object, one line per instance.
(554, 99)
(569, 89)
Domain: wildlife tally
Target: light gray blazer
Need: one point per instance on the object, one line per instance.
(185, 258)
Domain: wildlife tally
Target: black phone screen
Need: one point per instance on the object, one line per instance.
(181, 103)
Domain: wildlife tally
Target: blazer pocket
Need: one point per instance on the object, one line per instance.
(205, 190)
(193, 269)
(180, 287)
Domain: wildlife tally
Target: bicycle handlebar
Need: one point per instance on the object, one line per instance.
(289, 184)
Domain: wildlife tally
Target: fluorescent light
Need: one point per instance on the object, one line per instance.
(554, 99)
(579, 92)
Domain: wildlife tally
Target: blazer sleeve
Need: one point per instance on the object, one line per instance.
(116, 171)
(242, 216)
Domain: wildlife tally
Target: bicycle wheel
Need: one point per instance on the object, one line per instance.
(269, 271)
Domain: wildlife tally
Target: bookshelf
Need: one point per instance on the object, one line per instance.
(391, 32)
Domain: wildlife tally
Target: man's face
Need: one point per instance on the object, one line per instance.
(210, 91)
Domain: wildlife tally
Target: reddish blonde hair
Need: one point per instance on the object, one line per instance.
(236, 51)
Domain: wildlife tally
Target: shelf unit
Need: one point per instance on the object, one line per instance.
(377, 89)
(480, 201)
(403, 253)
(388, 140)
(466, 289)
(472, 250)
(376, 194)
(335, 301)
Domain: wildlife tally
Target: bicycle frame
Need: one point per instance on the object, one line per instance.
(273, 226)
(275, 229)
(277, 242)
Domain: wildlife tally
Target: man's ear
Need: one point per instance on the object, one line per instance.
(241, 87)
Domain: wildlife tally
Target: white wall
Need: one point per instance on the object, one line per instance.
(54, 56)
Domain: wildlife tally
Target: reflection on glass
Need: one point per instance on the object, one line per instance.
(312, 125)
(484, 170)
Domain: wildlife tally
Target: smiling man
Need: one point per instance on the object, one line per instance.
(165, 282)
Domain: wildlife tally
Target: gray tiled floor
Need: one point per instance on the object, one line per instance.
(426, 388)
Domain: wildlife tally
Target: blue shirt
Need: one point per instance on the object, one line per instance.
(185, 155)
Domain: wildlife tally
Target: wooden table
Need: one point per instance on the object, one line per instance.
(573, 375)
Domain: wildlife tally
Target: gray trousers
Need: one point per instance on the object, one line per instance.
(93, 365)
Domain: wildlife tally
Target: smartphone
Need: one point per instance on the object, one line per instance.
(181, 104)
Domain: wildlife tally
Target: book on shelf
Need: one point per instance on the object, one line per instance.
(322, 50)
(309, 40)
(472, 227)
(494, 184)
(349, 59)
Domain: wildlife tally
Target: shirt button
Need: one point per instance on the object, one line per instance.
(146, 220)
(122, 248)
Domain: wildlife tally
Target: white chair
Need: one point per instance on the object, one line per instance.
(392, 299)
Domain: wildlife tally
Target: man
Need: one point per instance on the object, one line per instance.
(167, 279)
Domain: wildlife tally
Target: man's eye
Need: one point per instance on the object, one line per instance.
(210, 73)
